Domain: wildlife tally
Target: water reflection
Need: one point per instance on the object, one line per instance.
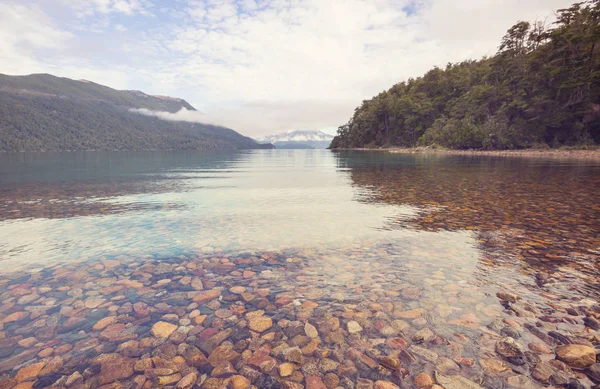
(543, 212)
(179, 202)
(64, 185)
(173, 202)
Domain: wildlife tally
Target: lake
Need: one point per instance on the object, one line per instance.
(298, 268)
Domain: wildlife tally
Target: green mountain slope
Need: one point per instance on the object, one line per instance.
(41, 112)
(542, 88)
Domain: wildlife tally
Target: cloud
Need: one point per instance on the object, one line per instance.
(183, 115)
(86, 8)
(265, 115)
(269, 117)
(25, 32)
(29, 28)
(259, 66)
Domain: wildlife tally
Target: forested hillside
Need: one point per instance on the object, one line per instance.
(541, 89)
(45, 113)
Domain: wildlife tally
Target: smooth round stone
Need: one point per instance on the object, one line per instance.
(385, 385)
(30, 371)
(311, 331)
(260, 323)
(223, 313)
(237, 289)
(423, 380)
(389, 362)
(27, 342)
(576, 355)
(331, 380)
(187, 382)
(315, 382)
(354, 327)
(185, 322)
(163, 329)
(540, 348)
(286, 369)
(239, 382)
(15, 317)
(46, 352)
(94, 303)
(494, 366)
(104, 322)
(170, 317)
(28, 299)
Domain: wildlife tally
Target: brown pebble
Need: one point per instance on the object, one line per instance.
(423, 380)
(30, 371)
(238, 382)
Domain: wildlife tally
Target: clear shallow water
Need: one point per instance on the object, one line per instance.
(171, 203)
(374, 237)
(73, 206)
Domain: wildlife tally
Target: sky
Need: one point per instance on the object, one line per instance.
(257, 66)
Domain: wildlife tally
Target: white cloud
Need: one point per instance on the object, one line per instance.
(183, 115)
(86, 8)
(266, 114)
(299, 55)
(24, 31)
(263, 66)
(269, 117)
(29, 27)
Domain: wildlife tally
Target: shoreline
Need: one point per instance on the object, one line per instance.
(539, 153)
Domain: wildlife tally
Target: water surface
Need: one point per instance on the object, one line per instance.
(411, 247)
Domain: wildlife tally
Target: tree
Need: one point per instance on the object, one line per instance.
(542, 87)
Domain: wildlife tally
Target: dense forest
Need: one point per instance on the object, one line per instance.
(541, 89)
(46, 113)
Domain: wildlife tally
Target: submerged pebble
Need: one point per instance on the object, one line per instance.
(237, 320)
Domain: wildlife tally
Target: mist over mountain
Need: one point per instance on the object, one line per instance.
(41, 112)
(298, 140)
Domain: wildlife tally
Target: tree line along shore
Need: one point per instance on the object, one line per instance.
(541, 90)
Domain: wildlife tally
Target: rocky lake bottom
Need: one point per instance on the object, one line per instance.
(444, 277)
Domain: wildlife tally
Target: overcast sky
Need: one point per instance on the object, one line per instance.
(257, 66)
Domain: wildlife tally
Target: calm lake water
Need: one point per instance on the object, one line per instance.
(410, 248)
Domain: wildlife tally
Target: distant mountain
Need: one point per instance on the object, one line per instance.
(298, 140)
(41, 112)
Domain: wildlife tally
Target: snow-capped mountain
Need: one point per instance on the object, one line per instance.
(298, 140)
